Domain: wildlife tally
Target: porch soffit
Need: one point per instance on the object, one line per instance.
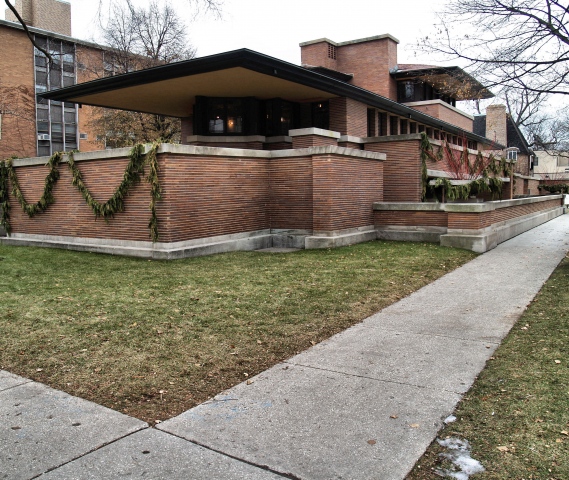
(176, 96)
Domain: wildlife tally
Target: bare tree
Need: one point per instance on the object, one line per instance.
(211, 6)
(520, 44)
(17, 120)
(140, 38)
(551, 135)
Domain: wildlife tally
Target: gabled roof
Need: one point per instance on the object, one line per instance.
(453, 81)
(171, 89)
(514, 135)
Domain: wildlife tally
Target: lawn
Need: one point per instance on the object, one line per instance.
(154, 338)
(516, 415)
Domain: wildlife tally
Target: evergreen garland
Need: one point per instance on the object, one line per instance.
(555, 188)
(4, 197)
(485, 183)
(155, 190)
(114, 204)
(47, 197)
(132, 175)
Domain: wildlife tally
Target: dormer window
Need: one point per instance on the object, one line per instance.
(512, 154)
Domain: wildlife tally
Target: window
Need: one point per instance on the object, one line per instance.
(417, 91)
(321, 115)
(371, 132)
(56, 123)
(562, 161)
(393, 125)
(382, 124)
(513, 155)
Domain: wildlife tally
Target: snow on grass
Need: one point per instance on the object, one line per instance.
(459, 454)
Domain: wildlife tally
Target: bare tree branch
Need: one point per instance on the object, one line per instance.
(28, 33)
(519, 44)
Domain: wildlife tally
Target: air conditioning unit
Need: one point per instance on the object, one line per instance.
(44, 136)
(83, 136)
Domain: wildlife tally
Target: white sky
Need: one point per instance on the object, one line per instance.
(276, 27)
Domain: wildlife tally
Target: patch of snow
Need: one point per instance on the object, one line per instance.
(450, 419)
(459, 454)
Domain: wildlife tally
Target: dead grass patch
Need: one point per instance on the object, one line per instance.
(154, 338)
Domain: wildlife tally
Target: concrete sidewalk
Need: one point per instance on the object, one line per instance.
(364, 404)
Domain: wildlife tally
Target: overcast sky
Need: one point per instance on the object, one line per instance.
(276, 27)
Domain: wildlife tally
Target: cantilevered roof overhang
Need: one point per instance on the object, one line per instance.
(171, 89)
(453, 81)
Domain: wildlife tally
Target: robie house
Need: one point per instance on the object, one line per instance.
(329, 153)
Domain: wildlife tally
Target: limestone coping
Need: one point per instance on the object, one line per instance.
(178, 149)
(226, 138)
(297, 132)
(351, 139)
(461, 207)
(349, 42)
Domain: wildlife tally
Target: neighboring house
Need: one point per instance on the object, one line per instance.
(37, 128)
(276, 154)
(552, 166)
(497, 125)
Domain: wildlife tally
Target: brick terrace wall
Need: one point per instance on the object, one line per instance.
(344, 191)
(291, 193)
(70, 215)
(205, 196)
(410, 218)
(401, 171)
(305, 141)
(17, 69)
(277, 146)
(481, 220)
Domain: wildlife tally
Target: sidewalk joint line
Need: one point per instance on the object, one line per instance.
(242, 460)
(51, 469)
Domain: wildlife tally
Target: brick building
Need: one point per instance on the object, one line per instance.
(30, 128)
(318, 155)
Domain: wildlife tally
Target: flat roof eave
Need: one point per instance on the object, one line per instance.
(161, 89)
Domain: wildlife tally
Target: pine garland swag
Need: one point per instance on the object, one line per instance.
(4, 197)
(486, 183)
(50, 180)
(132, 175)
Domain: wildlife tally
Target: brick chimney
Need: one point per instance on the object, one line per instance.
(496, 126)
(369, 60)
(51, 15)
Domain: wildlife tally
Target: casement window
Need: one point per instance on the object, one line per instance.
(244, 116)
(56, 122)
(513, 155)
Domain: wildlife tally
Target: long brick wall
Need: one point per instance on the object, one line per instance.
(70, 215)
(344, 190)
(291, 193)
(401, 171)
(410, 219)
(476, 221)
(208, 193)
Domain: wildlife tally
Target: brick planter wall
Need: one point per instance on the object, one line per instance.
(209, 196)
